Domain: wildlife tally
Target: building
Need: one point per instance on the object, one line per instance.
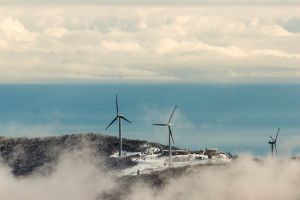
(177, 152)
(211, 152)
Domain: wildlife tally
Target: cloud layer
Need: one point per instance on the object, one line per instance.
(77, 178)
(243, 179)
(138, 43)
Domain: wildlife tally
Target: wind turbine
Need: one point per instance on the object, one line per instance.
(273, 143)
(170, 134)
(120, 126)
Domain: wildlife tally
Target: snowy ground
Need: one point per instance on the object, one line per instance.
(150, 161)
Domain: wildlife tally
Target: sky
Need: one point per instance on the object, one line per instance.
(233, 118)
(232, 67)
(218, 41)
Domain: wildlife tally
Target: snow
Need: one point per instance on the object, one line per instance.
(125, 154)
(151, 160)
(149, 151)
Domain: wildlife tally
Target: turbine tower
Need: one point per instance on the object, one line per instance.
(273, 143)
(170, 134)
(120, 126)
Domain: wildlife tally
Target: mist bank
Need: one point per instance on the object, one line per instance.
(77, 177)
(78, 167)
(243, 178)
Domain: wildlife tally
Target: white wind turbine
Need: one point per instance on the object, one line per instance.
(120, 126)
(170, 134)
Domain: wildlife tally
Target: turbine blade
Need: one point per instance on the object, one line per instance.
(277, 134)
(125, 119)
(272, 138)
(172, 114)
(112, 122)
(160, 124)
(117, 104)
(170, 132)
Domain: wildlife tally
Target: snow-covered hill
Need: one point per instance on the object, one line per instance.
(27, 155)
(153, 160)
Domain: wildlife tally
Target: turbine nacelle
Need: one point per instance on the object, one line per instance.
(170, 124)
(120, 116)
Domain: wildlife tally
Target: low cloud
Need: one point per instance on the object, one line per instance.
(75, 178)
(241, 179)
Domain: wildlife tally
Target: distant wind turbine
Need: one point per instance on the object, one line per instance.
(273, 143)
(120, 126)
(170, 134)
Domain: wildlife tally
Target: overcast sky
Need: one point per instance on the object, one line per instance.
(149, 41)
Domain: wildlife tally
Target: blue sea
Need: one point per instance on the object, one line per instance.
(233, 118)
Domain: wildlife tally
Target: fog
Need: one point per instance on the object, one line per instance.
(244, 179)
(75, 177)
(78, 178)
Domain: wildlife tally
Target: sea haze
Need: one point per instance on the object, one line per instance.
(233, 118)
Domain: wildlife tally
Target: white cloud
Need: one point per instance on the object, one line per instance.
(276, 31)
(75, 177)
(55, 32)
(171, 46)
(14, 36)
(93, 43)
(275, 53)
(160, 3)
(13, 30)
(120, 46)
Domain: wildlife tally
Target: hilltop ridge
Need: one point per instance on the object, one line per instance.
(25, 155)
